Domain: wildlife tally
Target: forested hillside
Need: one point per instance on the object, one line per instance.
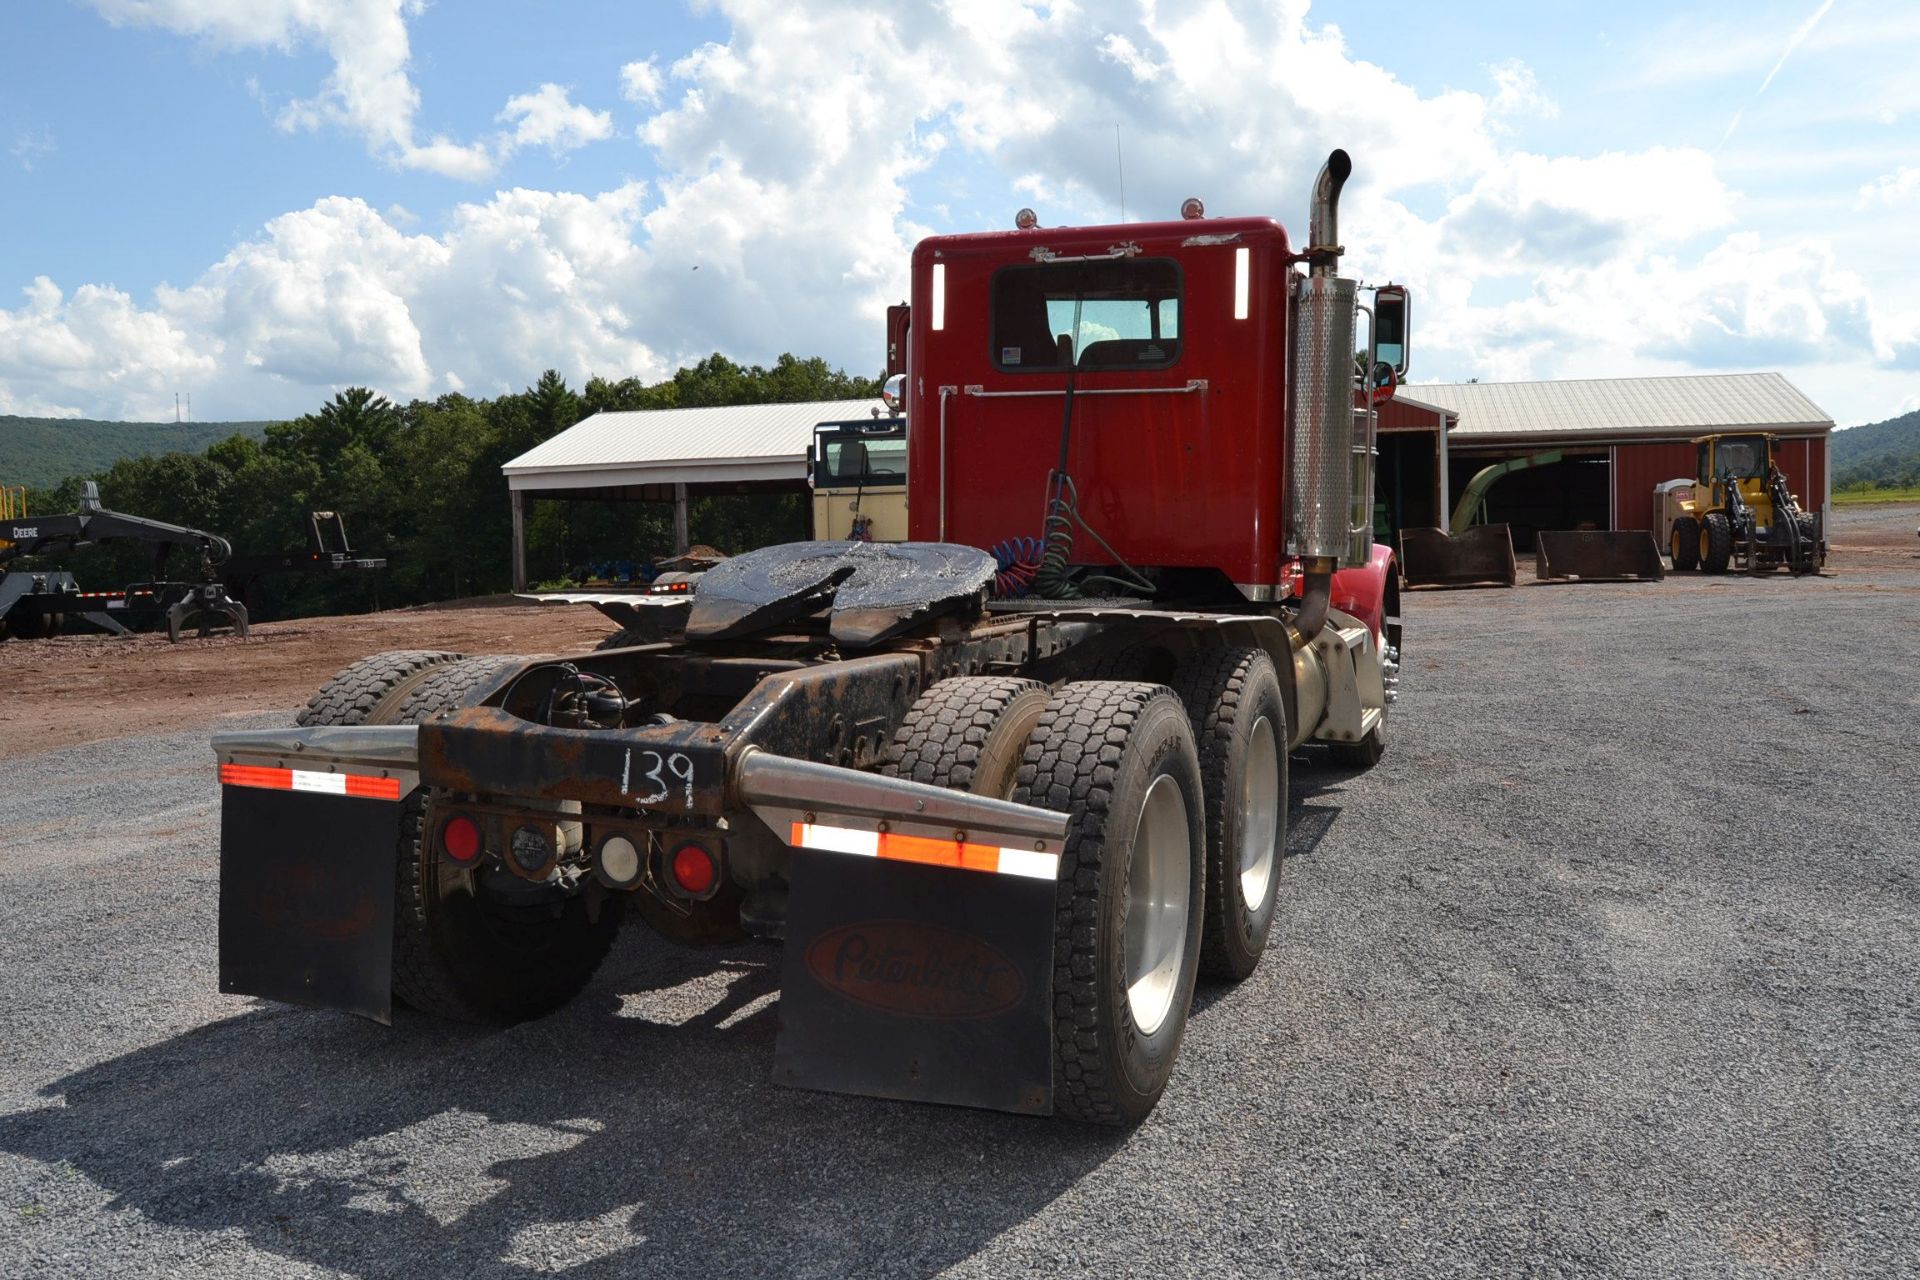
(420, 484)
(1885, 455)
(45, 451)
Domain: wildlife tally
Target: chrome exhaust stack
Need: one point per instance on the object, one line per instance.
(1320, 405)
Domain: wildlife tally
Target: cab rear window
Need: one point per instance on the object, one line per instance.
(1109, 314)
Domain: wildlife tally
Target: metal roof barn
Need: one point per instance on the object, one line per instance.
(1617, 438)
(1597, 409)
(667, 455)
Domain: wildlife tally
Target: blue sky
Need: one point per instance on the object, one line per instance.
(260, 201)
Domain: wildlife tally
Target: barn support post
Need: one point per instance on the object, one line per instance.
(1442, 501)
(681, 542)
(519, 540)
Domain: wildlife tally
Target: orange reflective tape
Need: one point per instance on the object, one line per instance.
(373, 788)
(941, 853)
(248, 775)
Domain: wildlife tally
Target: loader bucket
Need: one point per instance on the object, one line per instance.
(1598, 553)
(1482, 556)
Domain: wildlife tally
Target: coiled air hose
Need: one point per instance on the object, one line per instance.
(1053, 579)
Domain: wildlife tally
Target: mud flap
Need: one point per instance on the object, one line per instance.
(923, 983)
(1483, 554)
(307, 898)
(1598, 553)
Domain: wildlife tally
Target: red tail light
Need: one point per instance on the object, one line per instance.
(693, 869)
(460, 837)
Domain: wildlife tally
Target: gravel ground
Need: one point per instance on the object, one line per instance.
(1606, 969)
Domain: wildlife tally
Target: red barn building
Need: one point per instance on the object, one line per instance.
(1617, 438)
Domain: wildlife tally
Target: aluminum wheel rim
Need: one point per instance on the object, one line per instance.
(1159, 899)
(1259, 813)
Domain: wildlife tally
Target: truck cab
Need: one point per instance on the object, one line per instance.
(859, 478)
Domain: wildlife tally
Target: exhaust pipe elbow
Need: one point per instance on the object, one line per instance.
(1323, 226)
(1316, 595)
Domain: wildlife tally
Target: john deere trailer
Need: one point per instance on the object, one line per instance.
(1000, 818)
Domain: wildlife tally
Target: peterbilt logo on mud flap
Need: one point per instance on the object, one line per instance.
(915, 970)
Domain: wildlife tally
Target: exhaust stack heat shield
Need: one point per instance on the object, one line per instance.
(1321, 465)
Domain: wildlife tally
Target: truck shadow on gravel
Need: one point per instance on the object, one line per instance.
(604, 1139)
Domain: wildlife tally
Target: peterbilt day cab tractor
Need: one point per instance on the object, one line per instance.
(1001, 821)
(1740, 511)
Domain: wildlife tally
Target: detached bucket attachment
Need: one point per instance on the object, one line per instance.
(1597, 553)
(1482, 556)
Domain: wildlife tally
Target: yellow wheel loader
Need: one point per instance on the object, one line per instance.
(1742, 514)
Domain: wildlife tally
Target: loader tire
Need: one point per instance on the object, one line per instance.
(1684, 544)
(1119, 759)
(967, 733)
(1240, 724)
(460, 950)
(1716, 542)
(356, 694)
(1811, 560)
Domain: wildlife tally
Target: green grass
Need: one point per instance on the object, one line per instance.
(1871, 497)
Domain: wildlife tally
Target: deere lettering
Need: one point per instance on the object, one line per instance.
(916, 970)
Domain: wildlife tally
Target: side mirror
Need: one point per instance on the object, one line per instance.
(1392, 312)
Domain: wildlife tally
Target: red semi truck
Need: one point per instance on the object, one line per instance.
(1002, 808)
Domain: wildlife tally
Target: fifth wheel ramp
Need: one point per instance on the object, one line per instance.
(1480, 556)
(1598, 553)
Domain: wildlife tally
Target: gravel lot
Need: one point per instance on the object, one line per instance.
(1606, 969)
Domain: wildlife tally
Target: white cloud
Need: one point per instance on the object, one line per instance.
(792, 184)
(336, 295)
(370, 89)
(548, 118)
(1517, 93)
(640, 82)
(1122, 51)
(1891, 188)
(61, 356)
(30, 146)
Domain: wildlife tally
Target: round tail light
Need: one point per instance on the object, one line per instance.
(460, 837)
(694, 870)
(619, 862)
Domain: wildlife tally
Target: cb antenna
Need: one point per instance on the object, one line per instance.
(1120, 165)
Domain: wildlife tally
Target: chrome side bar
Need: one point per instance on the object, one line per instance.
(781, 791)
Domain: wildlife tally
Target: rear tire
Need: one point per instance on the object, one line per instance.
(1716, 542)
(1684, 544)
(967, 733)
(356, 694)
(461, 951)
(1119, 760)
(1240, 724)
